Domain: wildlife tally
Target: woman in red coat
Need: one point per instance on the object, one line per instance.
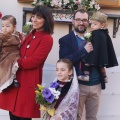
(20, 102)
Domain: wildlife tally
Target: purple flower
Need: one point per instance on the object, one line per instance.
(54, 84)
(46, 93)
(50, 99)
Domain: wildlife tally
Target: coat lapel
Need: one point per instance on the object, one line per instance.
(73, 41)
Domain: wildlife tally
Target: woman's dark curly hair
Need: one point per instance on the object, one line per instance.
(46, 14)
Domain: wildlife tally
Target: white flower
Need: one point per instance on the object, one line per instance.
(35, 1)
(55, 92)
(93, 0)
(52, 90)
(60, 4)
(87, 34)
(91, 4)
(97, 6)
(28, 23)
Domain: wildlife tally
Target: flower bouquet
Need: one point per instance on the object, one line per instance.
(47, 98)
(87, 36)
(27, 28)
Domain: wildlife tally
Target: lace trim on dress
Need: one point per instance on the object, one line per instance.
(13, 74)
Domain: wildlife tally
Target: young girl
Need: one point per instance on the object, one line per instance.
(67, 104)
(9, 52)
(103, 54)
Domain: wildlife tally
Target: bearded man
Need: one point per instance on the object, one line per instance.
(73, 47)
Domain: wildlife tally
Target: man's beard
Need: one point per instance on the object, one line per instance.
(80, 30)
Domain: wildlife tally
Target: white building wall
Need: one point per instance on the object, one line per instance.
(109, 104)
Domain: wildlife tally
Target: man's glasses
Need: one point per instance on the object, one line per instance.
(79, 20)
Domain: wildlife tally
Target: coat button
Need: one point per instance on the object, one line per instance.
(28, 46)
(33, 37)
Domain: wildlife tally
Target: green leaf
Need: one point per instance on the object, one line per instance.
(26, 29)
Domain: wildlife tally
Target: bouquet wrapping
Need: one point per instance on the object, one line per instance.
(47, 98)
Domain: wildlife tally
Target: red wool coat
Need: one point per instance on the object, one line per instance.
(21, 101)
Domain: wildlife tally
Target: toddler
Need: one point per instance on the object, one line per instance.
(9, 52)
(103, 54)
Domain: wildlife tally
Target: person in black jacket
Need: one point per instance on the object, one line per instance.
(103, 54)
(72, 46)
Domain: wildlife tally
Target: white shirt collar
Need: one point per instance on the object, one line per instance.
(78, 35)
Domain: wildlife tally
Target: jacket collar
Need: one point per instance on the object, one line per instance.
(73, 41)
